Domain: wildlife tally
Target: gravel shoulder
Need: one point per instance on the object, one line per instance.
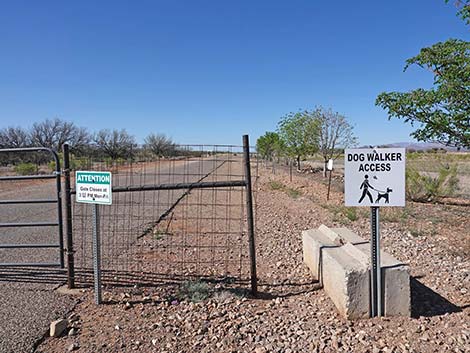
(292, 313)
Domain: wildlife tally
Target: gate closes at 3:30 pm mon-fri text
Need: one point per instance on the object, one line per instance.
(93, 187)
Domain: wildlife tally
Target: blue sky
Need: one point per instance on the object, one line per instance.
(209, 71)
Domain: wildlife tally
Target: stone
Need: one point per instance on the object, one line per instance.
(57, 327)
(73, 347)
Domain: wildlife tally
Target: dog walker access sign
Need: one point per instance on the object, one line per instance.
(374, 177)
(93, 187)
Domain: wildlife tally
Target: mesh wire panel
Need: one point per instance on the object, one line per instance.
(168, 235)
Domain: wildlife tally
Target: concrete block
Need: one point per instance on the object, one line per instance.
(340, 260)
(57, 328)
(313, 241)
(396, 283)
(346, 281)
(348, 236)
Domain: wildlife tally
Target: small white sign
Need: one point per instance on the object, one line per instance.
(329, 165)
(374, 177)
(93, 187)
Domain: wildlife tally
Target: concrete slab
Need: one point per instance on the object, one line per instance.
(396, 280)
(349, 236)
(340, 260)
(314, 241)
(346, 281)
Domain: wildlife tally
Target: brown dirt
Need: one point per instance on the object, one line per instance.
(292, 314)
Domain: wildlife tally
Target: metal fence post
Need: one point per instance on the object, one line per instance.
(375, 271)
(97, 253)
(68, 219)
(250, 216)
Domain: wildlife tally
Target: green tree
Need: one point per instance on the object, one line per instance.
(464, 9)
(299, 133)
(269, 146)
(442, 113)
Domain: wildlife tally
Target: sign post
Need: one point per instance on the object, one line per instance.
(97, 254)
(375, 177)
(95, 188)
(375, 271)
(329, 167)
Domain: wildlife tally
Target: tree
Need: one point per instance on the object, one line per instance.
(335, 134)
(464, 9)
(115, 144)
(443, 111)
(54, 133)
(159, 145)
(14, 137)
(299, 133)
(269, 146)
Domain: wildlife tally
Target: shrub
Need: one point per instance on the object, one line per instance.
(276, 185)
(426, 188)
(294, 193)
(26, 169)
(351, 214)
(194, 291)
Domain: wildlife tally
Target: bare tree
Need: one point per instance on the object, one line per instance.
(54, 133)
(335, 134)
(14, 137)
(160, 145)
(115, 144)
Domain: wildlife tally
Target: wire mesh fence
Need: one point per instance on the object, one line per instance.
(163, 225)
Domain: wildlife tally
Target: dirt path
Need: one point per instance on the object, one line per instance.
(292, 313)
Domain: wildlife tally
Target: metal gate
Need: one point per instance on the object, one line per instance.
(187, 216)
(33, 208)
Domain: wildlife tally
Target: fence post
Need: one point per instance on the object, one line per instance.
(249, 213)
(59, 208)
(68, 219)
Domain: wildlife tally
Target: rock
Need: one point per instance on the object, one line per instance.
(74, 317)
(73, 347)
(73, 331)
(57, 328)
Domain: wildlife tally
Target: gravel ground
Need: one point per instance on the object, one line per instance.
(28, 298)
(292, 314)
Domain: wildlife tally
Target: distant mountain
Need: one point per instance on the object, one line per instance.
(421, 146)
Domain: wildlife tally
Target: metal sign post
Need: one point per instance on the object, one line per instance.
(376, 289)
(97, 254)
(375, 177)
(95, 188)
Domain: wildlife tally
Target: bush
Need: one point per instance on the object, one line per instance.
(26, 169)
(276, 185)
(426, 188)
(351, 214)
(194, 291)
(294, 193)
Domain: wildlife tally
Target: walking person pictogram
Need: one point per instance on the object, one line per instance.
(365, 189)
